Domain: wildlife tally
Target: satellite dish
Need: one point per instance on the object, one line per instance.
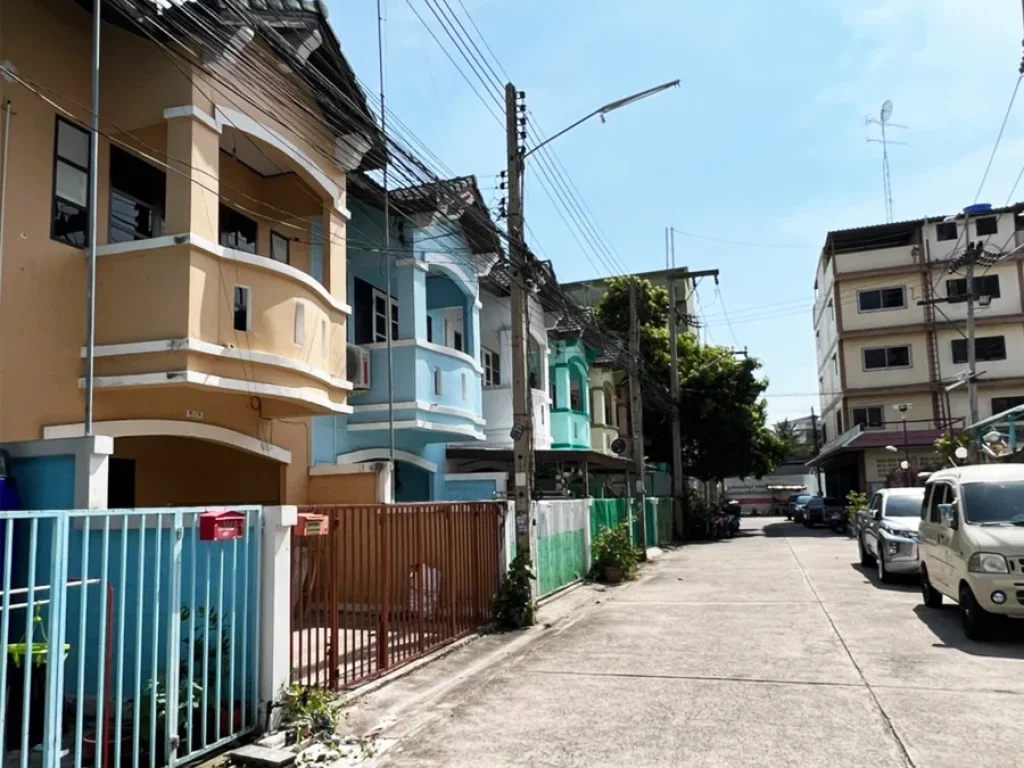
(886, 112)
(618, 446)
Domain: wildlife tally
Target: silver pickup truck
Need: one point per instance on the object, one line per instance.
(887, 531)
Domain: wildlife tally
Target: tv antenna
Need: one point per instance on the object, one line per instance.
(883, 121)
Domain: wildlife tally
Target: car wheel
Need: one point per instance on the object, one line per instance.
(866, 560)
(975, 620)
(883, 572)
(932, 597)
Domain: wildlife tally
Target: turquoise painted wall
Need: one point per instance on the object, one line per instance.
(570, 428)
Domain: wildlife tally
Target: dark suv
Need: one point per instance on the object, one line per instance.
(819, 508)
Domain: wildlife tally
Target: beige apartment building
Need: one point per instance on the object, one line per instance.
(885, 360)
(221, 305)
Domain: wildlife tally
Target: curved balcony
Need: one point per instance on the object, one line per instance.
(166, 316)
(436, 393)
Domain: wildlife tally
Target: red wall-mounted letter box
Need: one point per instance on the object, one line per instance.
(221, 526)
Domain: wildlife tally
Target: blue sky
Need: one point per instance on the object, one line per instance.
(764, 141)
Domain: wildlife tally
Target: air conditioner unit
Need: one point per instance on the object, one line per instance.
(358, 366)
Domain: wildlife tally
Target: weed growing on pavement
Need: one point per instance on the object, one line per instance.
(513, 605)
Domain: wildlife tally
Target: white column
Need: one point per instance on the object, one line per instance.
(275, 601)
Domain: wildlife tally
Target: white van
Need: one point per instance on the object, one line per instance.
(972, 543)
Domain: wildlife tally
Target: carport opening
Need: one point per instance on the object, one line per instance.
(186, 472)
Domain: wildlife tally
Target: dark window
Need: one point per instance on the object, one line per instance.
(241, 311)
(70, 222)
(839, 423)
(457, 340)
(989, 225)
(430, 329)
(887, 357)
(985, 348)
(121, 483)
(1000, 404)
(362, 311)
(279, 248)
(946, 230)
(869, 417)
(986, 285)
(883, 298)
(137, 192)
(575, 394)
(237, 230)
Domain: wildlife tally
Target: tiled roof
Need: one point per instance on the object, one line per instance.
(292, 21)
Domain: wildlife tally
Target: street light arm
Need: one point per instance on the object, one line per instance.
(610, 107)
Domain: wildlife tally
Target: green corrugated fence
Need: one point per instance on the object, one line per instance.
(606, 513)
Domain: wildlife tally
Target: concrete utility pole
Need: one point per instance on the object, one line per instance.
(972, 361)
(673, 333)
(677, 437)
(636, 412)
(817, 448)
(522, 419)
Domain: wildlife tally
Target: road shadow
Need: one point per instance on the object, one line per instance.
(901, 582)
(798, 530)
(1007, 639)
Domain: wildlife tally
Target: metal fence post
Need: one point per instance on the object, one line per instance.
(54, 707)
(384, 588)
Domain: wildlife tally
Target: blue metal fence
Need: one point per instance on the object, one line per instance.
(125, 638)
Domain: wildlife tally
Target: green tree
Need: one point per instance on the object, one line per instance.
(785, 432)
(722, 411)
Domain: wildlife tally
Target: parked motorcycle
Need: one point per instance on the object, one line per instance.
(839, 522)
(733, 513)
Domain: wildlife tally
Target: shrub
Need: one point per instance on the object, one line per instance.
(855, 502)
(512, 604)
(613, 548)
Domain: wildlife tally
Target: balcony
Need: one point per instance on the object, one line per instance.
(183, 313)
(497, 412)
(570, 430)
(437, 393)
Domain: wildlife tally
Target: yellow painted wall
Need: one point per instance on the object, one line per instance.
(343, 489)
(178, 471)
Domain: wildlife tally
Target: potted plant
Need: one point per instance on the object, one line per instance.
(614, 555)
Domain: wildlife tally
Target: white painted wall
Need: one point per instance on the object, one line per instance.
(496, 335)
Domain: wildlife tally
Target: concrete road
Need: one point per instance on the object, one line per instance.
(772, 649)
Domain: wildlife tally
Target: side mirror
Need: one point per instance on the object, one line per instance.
(947, 514)
(877, 514)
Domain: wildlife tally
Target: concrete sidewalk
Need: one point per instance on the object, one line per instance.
(772, 649)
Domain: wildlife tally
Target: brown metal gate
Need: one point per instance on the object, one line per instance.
(386, 584)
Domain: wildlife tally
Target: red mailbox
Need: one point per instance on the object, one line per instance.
(221, 526)
(310, 525)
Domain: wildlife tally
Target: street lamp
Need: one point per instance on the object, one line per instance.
(602, 111)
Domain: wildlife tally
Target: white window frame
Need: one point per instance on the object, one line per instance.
(902, 289)
(299, 336)
(378, 335)
(248, 308)
(492, 372)
(910, 358)
(866, 408)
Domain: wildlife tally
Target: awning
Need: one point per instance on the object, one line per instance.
(595, 459)
(860, 439)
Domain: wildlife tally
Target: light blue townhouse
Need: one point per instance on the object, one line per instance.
(439, 243)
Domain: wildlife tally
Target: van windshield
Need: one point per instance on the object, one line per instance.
(994, 502)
